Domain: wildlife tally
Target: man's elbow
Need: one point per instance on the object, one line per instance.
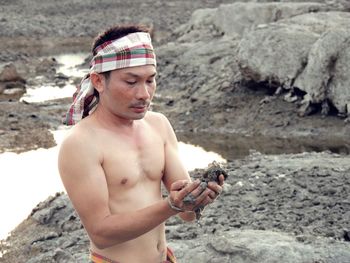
(102, 240)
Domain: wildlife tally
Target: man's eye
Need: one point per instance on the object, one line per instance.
(131, 82)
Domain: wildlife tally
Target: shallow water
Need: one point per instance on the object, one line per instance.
(26, 179)
(47, 92)
(68, 66)
(235, 146)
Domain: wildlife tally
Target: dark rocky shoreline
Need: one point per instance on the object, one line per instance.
(302, 197)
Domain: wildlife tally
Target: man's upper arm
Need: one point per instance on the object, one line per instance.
(174, 168)
(84, 179)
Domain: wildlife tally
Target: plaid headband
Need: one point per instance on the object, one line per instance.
(129, 51)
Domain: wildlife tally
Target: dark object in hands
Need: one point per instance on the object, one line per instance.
(213, 172)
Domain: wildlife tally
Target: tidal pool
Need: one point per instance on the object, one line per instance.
(69, 65)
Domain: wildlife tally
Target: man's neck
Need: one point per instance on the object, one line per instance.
(111, 121)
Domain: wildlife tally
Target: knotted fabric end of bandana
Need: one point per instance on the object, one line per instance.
(84, 102)
(129, 51)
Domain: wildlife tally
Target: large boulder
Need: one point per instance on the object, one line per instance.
(9, 73)
(197, 69)
(260, 43)
(308, 52)
(281, 53)
(251, 246)
(240, 18)
(12, 85)
(327, 74)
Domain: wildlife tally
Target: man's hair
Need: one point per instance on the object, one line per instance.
(116, 32)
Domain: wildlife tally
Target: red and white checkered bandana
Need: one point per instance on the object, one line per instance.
(131, 50)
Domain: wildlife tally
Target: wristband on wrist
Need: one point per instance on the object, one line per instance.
(174, 207)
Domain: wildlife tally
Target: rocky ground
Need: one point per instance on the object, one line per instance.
(275, 208)
(301, 200)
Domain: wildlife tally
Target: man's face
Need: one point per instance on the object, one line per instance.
(128, 92)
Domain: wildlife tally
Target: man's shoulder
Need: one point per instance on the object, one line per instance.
(78, 136)
(155, 118)
(160, 123)
(153, 115)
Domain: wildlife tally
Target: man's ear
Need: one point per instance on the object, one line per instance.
(98, 81)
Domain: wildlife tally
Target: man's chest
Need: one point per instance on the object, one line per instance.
(130, 160)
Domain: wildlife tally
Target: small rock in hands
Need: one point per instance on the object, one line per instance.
(211, 174)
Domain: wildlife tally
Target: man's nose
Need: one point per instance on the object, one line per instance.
(142, 92)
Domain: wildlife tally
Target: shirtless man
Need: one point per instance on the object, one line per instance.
(114, 159)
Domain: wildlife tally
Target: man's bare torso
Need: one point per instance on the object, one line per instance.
(133, 164)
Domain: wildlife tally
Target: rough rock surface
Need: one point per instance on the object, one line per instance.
(11, 83)
(209, 72)
(250, 246)
(71, 25)
(309, 53)
(200, 86)
(296, 45)
(23, 127)
(247, 16)
(321, 66)
(279, 208)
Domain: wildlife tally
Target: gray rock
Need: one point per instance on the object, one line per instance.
(308, 51)
(56, 256)
(339, 92)
(199, 27)
(287, 44)
(9, 74)
(11, 83)
(250, 246)
(240, 18)
(326, 75)
(288, 208)
(18, 90)
(198, 67)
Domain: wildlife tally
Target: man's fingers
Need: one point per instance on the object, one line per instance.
(215, 187)
(188, 189)
(203, 199)
(202, 196)
(213, 195)
(199, 189)
(188, 196)
(221, 179)
(178, 185)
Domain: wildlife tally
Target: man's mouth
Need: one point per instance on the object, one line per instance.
(140, 107)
